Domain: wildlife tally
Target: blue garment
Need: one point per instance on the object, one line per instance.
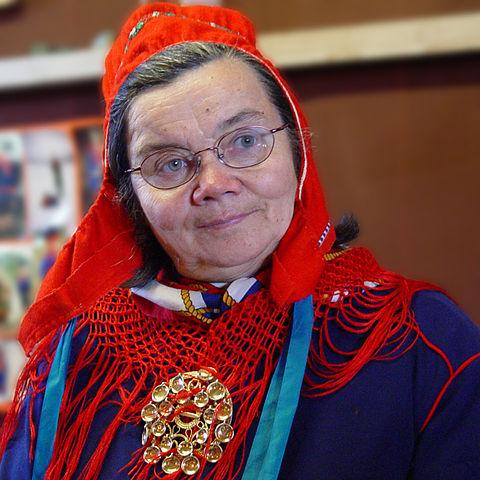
(368, 430)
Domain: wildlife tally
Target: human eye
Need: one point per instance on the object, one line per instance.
(245, 147)
(169, 162)
(245, 139)
(168, 168)
(171, 166)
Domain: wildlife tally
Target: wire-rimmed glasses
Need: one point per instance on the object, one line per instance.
(171, 167)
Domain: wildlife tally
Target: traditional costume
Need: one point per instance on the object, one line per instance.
(323, 366)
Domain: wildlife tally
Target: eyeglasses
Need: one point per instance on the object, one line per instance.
(171, 167)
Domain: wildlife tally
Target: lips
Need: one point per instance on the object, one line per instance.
(225, 221)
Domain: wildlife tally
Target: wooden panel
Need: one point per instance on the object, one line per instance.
(457, 33)
(73, 23)
(286, 14)
(398, 145)
(59, 23)
(50, 105)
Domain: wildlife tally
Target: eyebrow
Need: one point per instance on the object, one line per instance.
(240, 117)
(149, 148)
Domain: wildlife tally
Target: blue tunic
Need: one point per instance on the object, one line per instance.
(370, 429)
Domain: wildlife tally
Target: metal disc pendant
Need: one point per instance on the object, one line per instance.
(165, 408)
(224, 432)
(224, 411)
(190, 465)
(201, 399)
(145, 433)
(166, 444)
(160, 393)
(201, 436)
(185, 448)
(177, 384)
(149, 412)
(216, 391)
(208, 415)
(214, 453)
(205, 375)
(171, 464)
(158, 428)
(151, 454)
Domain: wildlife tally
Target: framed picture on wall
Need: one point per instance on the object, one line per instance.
(89, 141)
(51, 181)
(18, 282)
(12, 207)
(12, 360)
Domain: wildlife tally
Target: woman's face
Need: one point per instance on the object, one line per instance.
(225, 223)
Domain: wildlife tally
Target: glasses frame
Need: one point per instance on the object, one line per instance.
(195, 156)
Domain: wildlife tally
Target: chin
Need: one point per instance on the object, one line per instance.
(232, 266)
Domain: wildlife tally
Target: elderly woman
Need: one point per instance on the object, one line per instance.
(204, 321)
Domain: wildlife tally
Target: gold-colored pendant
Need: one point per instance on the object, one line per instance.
(187, 420)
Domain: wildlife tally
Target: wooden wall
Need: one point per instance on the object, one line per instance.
(59, 23)
(286, 14)
(398, 145)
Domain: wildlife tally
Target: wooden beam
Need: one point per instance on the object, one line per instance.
(409, 38)
(375, 41)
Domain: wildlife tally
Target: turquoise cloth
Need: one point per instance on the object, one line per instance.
(281, 402)
(52, 400)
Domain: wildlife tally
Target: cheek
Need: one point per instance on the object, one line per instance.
(278, 184)
(159, 211)
(283, 191)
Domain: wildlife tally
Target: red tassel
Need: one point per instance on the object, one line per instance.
(30, 382)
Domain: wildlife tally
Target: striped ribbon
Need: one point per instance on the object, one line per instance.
(266, 455)
(52, 400)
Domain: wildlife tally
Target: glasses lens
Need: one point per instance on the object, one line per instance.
(168, 168)
(246, 146)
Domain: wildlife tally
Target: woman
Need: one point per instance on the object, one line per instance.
(203, 321)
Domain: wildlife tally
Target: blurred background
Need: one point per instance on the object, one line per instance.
(392, 91)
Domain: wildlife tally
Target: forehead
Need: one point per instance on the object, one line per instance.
(202, 101)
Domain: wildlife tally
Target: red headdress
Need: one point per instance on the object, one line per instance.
(102, 249)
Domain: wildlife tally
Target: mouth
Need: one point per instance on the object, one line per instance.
(226, 222)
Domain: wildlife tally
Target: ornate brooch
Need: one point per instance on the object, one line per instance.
(188, 419)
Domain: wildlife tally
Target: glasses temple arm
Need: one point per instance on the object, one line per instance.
(283, 127)
(131, 170)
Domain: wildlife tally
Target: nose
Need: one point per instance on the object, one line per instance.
(214, 179)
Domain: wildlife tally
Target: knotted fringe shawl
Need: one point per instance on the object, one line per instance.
(126, 354)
